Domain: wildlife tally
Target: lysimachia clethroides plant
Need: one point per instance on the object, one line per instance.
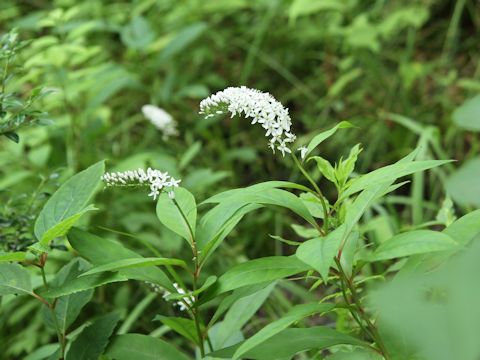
(332, 255)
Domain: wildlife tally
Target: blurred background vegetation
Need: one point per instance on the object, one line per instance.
(406, 73)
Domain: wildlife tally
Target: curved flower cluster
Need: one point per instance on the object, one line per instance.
(155, 179)
(162, 120)
(261, 107)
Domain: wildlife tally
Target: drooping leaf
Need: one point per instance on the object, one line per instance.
(70, 199)
(14, 279)
(294, 314)
(182, 219)
(93, 339)
(103, 251)
(142, 347)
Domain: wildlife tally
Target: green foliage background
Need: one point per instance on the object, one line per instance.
(404, 72)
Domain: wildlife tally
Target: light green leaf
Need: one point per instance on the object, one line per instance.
(318, 139)
(63, 226)
(389, 173)
(181, 221)
(258, 271)
(412, 243)
(467, 116)
(239, 313)
(462, 185)
(180, 41)
(70, 199)
(183, 326)
(142, 347)
(12, 256)
(319, 252)
(289, 342)
(14, 279)
(325, 168)
(93, 339)
(295, 314)
(134, 263)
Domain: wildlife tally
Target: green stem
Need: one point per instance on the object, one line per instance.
(195, 276)
(370, 328)
(51, 307)
(317, 190)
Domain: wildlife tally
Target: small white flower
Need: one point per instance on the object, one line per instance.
(261, 107)
(155, 179)
(187, 300)
(171, 195)
(303, 151)
(162, 120)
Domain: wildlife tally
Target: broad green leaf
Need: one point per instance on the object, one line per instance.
(468, 114)
(463, 230)
(103, 251)
(70, 199)
(289, 342)
(294, 314)
(180, 41)
(134, 263)
(325, 168)
(142, 347)
(413, 243)
(67, 308)
(12, 256)
(318, 139)
(389, 174)
(239, 313)
(182, 219)
(183, 326)
(319, 252)
(462, 185)
(14, 279)
(93, 339)
(258, 271)
(63, 226)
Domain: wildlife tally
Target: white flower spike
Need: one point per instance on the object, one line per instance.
(261, 107)
(155, 179)
(162, 120)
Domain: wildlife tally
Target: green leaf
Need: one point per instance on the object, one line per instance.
(67, 308)
(239, 313)
(70, 199)
(209, 282)
(325, 168)
(468, 114)
(104, 251)
(63, 226)
(183, 326)
(182, 219)
(93, 339)
(412, 243)
(389, 174)
(14, 279)
(319, 252)
(318, 139)
(462, 185)
(294, 314)
(134, 263)
(142, 347)
(463, 230)
(258, 271)
(289, 342)
(12, 256)
(181, 40)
